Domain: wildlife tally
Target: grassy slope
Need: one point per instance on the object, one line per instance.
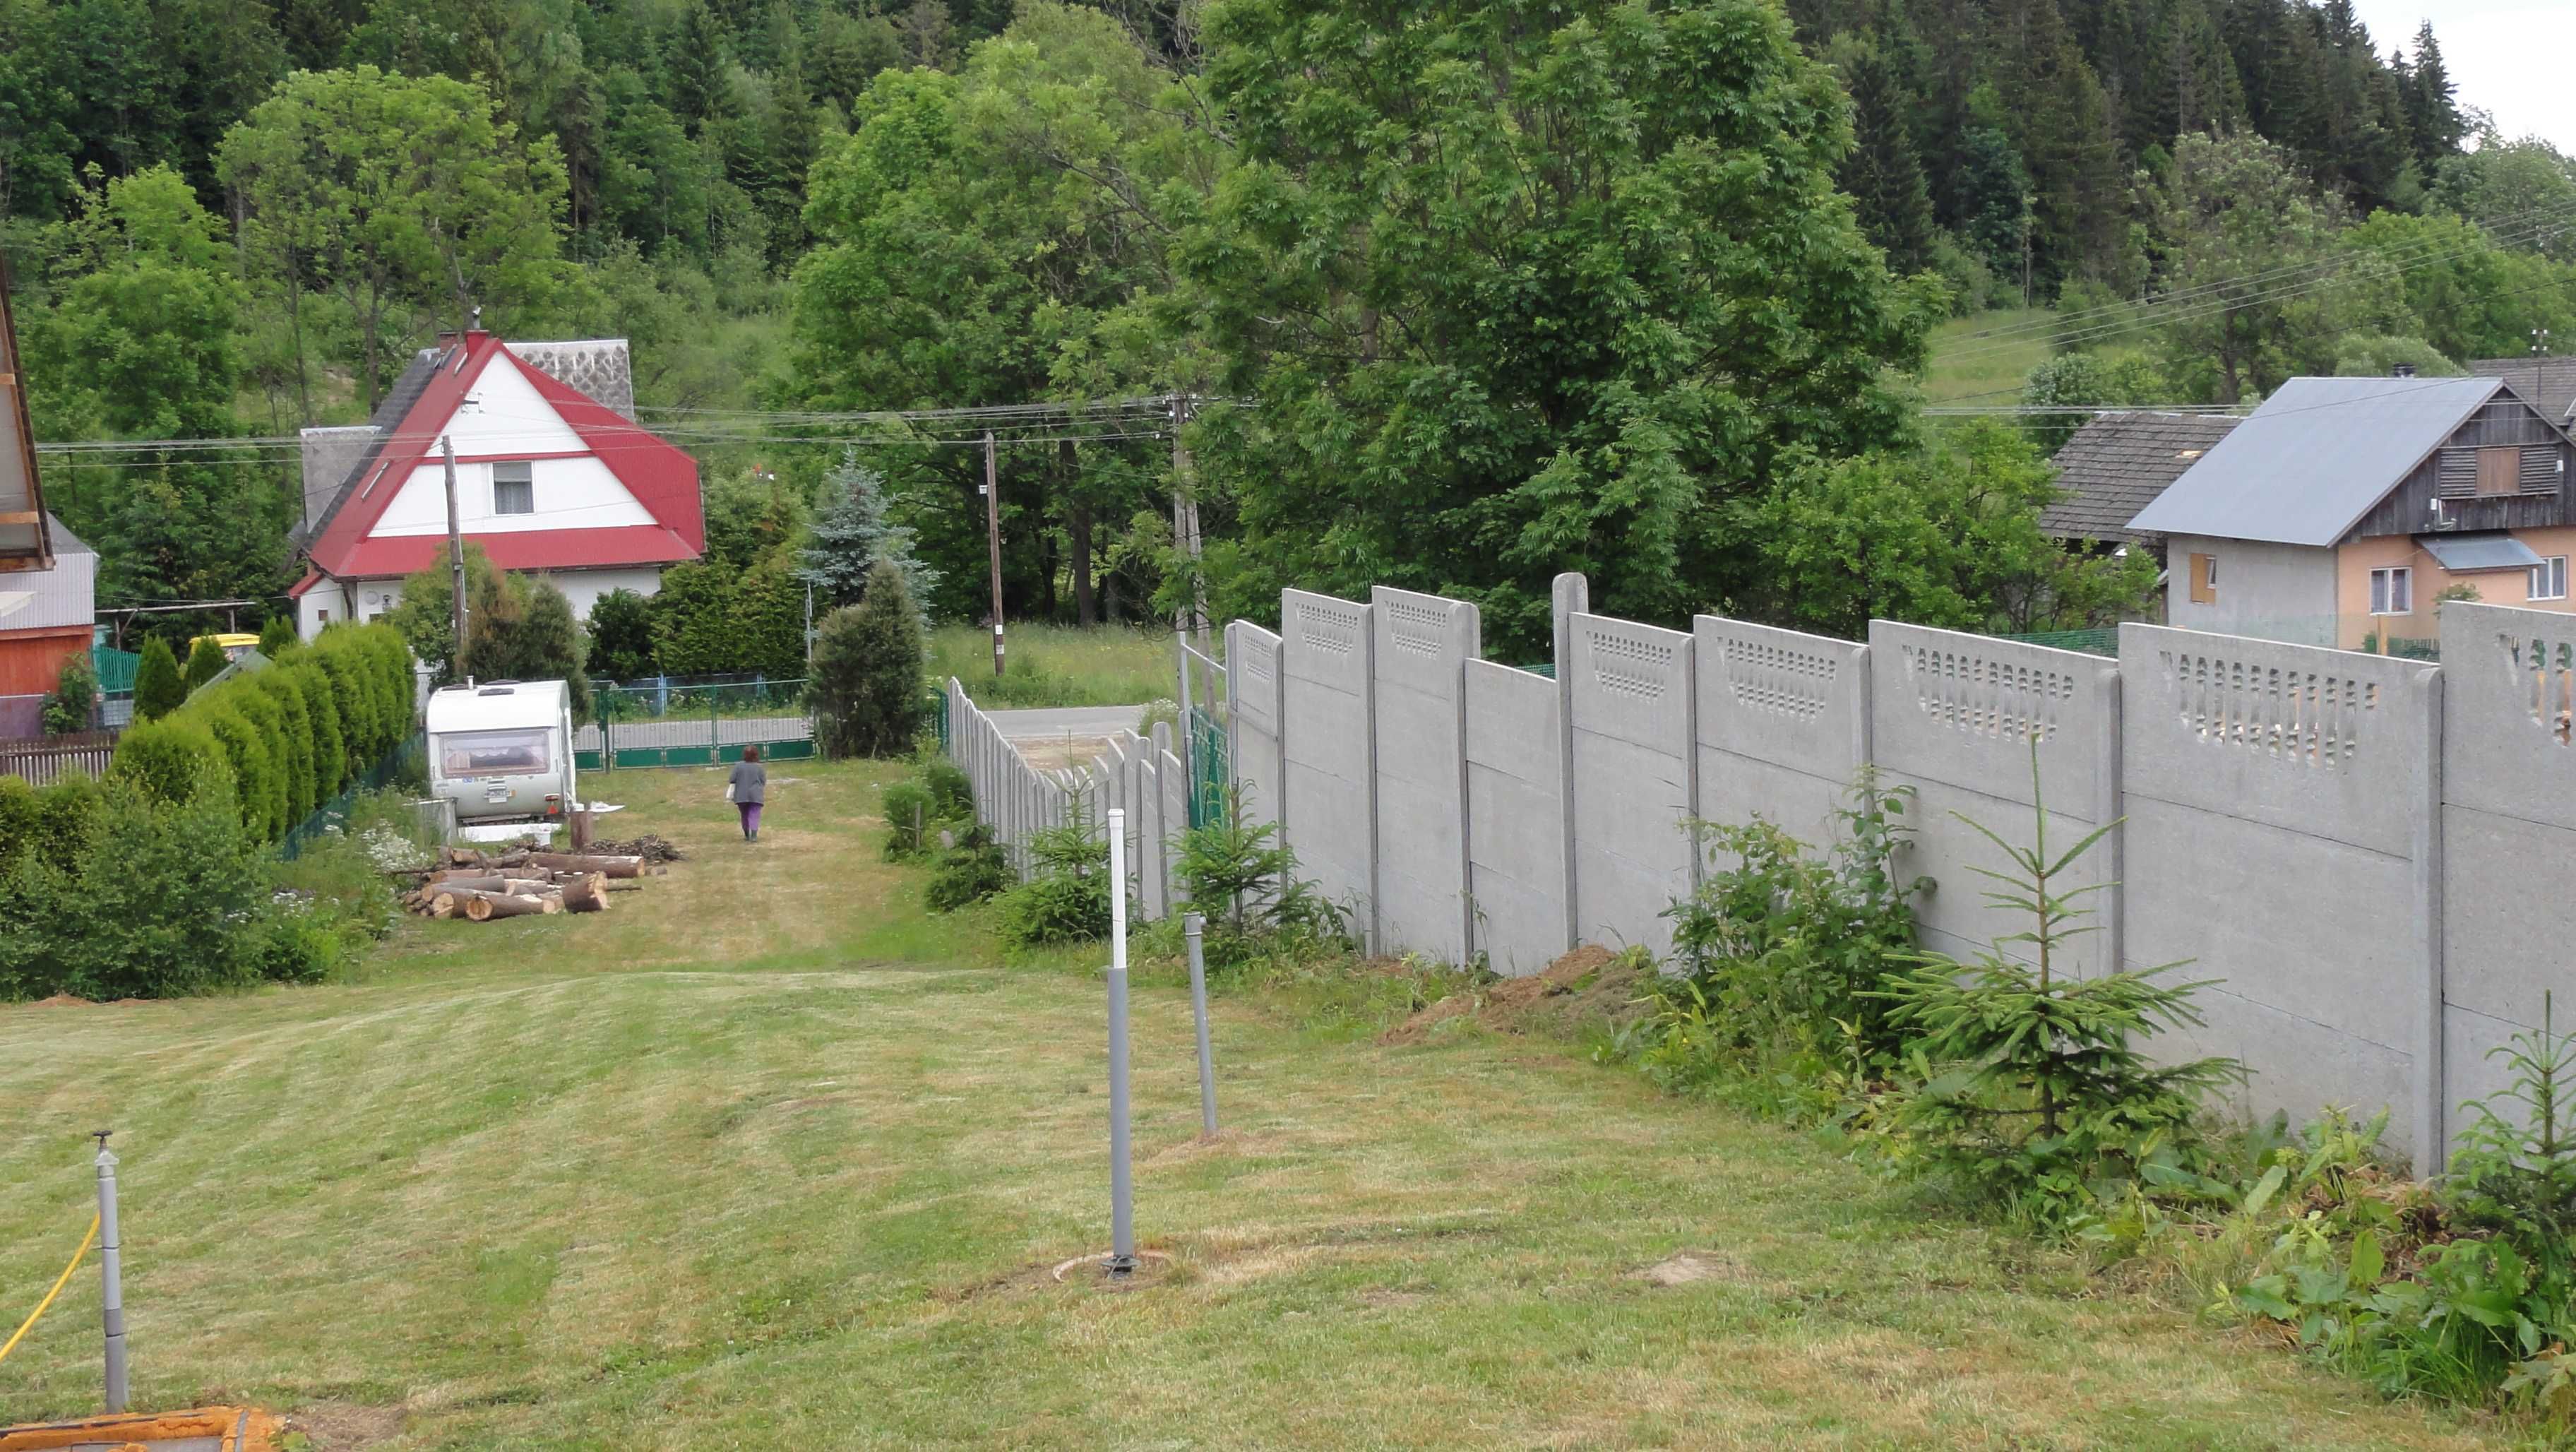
(1989, 369)
(1059, 665)
(764, 1158)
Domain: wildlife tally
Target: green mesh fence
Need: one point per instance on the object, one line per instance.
(409, 760)
(2104, 641)
(1208, 778)
(695, 722)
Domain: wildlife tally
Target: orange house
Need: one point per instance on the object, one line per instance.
(2345, 510)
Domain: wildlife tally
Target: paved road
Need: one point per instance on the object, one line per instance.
(1080, 721)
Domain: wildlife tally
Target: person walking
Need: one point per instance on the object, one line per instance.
(750, 784)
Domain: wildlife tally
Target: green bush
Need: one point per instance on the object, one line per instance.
(1067, 898)
(278, 637)
(935, 798)
(65, 813)
(1236, 874)
(269, 723)
(161, 900)
(952, 792)
(158, 689)
(971, 870)
(206, 660)
(170, 761)
(285, 690)
(74, 702)
(18, 819)
(330, 748)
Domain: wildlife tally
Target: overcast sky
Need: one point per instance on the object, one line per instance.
(2515, 58)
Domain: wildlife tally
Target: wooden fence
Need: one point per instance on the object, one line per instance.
(45, 760)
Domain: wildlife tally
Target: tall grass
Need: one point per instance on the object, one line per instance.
(1058, 665)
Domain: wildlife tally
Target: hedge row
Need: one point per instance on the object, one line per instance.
(288, 737)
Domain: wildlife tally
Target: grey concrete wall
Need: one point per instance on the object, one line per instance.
(1253, 684)
(1164, 854)
(2273, 591)
(1153, 888)
(1783, 725)
(1328, 797)
(1631, 704)
(1515, 815)
(1953, 716)
(2280, 837)
(2508, 834)
(1422, 646)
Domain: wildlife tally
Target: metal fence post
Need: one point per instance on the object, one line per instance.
(110, 1274)
(1122, 1186)
(715, 738)
(1195, 926)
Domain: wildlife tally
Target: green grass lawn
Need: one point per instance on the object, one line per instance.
(1986, 358)
(1060, 665)
(767, 1158)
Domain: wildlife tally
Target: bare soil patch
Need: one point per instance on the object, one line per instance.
(1591, 983)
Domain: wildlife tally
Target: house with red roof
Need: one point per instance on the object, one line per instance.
(554, 479)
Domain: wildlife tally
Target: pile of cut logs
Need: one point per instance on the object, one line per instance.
(479, 887)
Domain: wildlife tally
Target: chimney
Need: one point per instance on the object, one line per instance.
(2402, 370)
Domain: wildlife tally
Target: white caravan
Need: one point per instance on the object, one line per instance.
(502, 751)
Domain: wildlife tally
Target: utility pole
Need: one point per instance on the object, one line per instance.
(1185, 527)
(455, 561)
(993, 543)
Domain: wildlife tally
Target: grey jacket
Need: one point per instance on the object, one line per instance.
(750, 782)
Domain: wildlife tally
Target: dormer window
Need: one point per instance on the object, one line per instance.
(514, 488)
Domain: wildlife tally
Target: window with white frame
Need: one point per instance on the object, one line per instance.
(514, 488)
(2549, 579)
(2392, 591)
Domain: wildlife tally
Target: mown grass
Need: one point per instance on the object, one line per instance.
(768, 1158)
(1986, 358)
(1059, 665)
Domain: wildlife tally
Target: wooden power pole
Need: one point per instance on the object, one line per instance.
(993, 542)
(455, 561)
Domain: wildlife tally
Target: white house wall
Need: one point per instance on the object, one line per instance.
(2268, 591)
(507, 418)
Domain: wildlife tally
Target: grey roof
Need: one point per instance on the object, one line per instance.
(397, 406)
(2117, 464)
(2306, 466)
(2547, 384)
(2485, 550)
(596, 368)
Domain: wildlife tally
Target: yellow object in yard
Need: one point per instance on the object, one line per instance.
(59, 1282)
(233, 643)
(223, 1429)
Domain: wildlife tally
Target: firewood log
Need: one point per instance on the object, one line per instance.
(613, 866)
(586, 895)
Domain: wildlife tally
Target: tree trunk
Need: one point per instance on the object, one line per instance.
(482, 906)
(1077, 519)
(606, 866)
(586, 895)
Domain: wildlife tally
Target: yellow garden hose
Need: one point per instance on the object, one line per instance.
(59, 1282)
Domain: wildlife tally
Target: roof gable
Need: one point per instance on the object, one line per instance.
(2547, 384)
(662, 478)
(2308, 465)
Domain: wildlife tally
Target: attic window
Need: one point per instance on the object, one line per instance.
(514, 488)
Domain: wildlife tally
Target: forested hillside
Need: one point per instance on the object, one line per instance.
(1468, 292)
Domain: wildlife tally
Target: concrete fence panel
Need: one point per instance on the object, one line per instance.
(1515, 818)
(1153, 895)
(1254, 719)
(2509, 835)
(1165, 851)
(1329, 783)
(1422, 646)
(2280, 837)
(1630, 696)
(1783, 725)
(1954, 716)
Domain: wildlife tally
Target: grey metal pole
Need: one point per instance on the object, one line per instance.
(1195, 926)
(455, 564)
(110, 1274)
(1122, 1186)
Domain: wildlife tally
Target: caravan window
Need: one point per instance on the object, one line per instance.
(493, 753)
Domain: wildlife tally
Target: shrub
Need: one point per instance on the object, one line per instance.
(160, 900)
(1237, 874)
(972, 869)
(866, 687)
(18, 819)
(206, 660)
(1787, 951)
(261, 710)
(73, 705)
(952, 792)
(2030, 1088)
(621, 637)
(65, 814)
(257, 789)
(285, 690)
(278, 637)
(322, 715)
(935, 798)
(158, 690)
(1067, 896)
(168, 761)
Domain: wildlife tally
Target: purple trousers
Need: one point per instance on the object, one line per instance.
(750, 816)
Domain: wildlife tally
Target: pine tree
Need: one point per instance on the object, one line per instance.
(2433, 121)
(158, 689)
(277, 637)
(867, 688)
(1882, 173)
(853, 534)
(696, 67)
